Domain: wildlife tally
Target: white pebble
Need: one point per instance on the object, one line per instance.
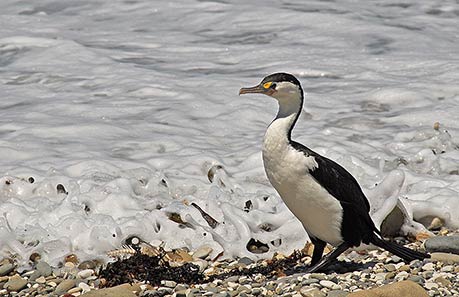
(84, 287)
(232, 285)
(329, 284)
(430, 286)
(401, 276)
(380, 276)
(41, 280)
(428, 266)
(202, 252)
(69, 265)
(74, 290)
(85, 273)
(168, 283)
(447, 268)
(243, 280)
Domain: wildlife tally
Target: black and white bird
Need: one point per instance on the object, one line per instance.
(325, 197)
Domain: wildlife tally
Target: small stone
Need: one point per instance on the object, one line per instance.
(329, 284)
(401, 276)
(246, 261)
(390, 275)
(15, 284)
(319, 276)
(395, 258)
(381, 276)
(405, 268)
(403, 288)
(71, 258)
(445, 244)
(232, 285)
(6, 268)
(445, 257)
(168, 283)
(35, 257)
(436, 224)
(88, 264)
(69, 265)
(430, 285)
(41, 280)
(135, 287)
(181, 287)
(256, 291)
(85, 273)
(416, 279)
(337, 293)
(443, 281)
(428, 266)
(243, 280)
(447, 268)
(311, 292)
(390, 267)
(233, 278)
(44, 268)
(84, 287)
(184, 293)
(416, 264)
(36, 274)
(309, 281)
(77, 289)
(112, 292)
(202, 252)
(427, 274)
(64, 286)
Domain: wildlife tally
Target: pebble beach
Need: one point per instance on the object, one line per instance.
(356, 272)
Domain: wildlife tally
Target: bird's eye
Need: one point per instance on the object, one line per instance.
(269, 85)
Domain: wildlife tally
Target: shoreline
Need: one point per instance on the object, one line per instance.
(280, 276)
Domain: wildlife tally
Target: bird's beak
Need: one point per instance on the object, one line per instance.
(256, 89)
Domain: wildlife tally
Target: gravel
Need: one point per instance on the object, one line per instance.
(281, 277)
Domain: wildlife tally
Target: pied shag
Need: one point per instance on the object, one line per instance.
(325, 197)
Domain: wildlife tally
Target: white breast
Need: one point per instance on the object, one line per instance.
(288, 171)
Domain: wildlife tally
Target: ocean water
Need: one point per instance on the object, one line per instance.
(116, 116)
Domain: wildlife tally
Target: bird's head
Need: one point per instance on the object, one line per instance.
(282, 86)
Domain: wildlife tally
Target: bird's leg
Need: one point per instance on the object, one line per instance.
(328, 259)
(319, 247)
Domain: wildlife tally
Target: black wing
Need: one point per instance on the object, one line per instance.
(357, 225)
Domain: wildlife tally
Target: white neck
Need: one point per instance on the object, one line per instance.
(289, 108)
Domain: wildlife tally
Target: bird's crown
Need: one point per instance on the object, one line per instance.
(281, 77)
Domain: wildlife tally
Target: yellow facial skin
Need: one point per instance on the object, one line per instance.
(267, 85)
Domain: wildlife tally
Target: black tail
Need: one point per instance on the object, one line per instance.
(399, 250)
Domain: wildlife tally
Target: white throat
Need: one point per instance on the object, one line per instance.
(289, 97)
(276, 143)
